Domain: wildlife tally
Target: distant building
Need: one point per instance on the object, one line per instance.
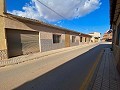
(95, 36)
(107, 36)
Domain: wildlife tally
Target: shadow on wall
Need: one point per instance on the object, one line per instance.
(68, 76)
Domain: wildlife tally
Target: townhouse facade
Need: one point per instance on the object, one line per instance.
(21, 36)
(115, 26)
(107, 36)
(95, 36)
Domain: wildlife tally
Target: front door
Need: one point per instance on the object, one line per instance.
(67, 40)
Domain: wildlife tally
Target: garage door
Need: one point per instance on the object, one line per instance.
(22, 42)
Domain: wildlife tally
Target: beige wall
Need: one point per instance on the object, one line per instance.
(22, 25)
(2, 34)
(1, 7)
(3, 46)
(88, 39)
(83, 40)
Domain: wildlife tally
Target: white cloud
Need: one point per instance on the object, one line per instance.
(69, 9)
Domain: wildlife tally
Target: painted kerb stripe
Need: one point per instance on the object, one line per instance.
(88, 78)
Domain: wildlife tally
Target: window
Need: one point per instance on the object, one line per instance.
(56, 38)
(80, 39)
(85, 39)
(73, 39)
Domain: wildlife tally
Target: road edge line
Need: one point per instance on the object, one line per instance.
(88, 78)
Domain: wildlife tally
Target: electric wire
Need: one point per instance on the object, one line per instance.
(58, 13)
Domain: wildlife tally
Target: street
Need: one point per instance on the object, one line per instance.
(60, 71)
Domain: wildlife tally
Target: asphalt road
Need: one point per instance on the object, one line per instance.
(61, 71)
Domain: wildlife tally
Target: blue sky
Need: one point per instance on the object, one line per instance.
(97, 20)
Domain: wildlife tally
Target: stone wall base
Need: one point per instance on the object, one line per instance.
(3, 54)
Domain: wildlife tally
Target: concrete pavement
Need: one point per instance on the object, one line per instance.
(60, 71)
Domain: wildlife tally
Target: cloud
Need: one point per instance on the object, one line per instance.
(69, 9)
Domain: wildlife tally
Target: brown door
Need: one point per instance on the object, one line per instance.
(20, 42)
(67, 40)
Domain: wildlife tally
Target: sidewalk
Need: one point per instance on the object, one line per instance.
(106, 76)
(35, 56)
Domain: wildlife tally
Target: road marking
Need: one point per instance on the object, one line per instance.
(88, 78)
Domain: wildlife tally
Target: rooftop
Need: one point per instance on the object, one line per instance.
(43, 23)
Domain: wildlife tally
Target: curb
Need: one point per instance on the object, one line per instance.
(21, 59)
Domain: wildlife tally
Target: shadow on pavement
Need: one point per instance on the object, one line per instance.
(68, 76)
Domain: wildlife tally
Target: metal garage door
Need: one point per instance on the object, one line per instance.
(22, 42)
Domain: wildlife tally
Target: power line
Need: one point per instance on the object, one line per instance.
(57, 12)
(51, 9)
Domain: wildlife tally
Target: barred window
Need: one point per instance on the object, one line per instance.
(73, 39)
(85, 39)
(80, 39)
(56, 38)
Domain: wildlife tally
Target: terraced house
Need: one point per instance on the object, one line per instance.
(115, 26)
(20, 36)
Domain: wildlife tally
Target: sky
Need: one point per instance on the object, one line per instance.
(84, 16)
